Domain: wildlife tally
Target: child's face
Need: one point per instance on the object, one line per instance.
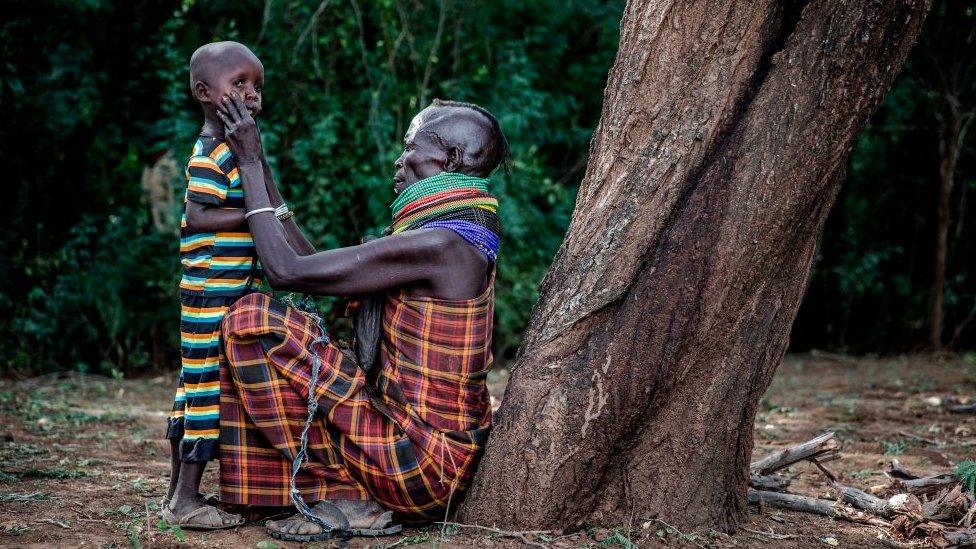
(242, 74)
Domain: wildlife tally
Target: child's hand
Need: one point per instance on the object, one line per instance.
(241, 131)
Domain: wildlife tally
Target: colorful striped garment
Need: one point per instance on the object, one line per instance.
(217, 263)
(217, 269)
(411, 440)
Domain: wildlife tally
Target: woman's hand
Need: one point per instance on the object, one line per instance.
(240, 130)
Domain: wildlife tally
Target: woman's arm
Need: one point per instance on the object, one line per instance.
(382, 264)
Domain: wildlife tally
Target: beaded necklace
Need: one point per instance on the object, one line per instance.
(451, 201)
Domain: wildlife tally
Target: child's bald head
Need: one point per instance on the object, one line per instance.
(221, 68)
(210, 59)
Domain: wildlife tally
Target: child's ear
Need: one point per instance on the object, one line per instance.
(201, 92)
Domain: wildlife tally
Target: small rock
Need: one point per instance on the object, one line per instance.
(831, 541)
(933, 401)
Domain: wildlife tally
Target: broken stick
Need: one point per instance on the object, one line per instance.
(823, 447)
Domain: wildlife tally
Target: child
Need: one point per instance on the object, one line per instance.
(219, 266)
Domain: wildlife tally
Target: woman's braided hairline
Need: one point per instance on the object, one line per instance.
(496, 129)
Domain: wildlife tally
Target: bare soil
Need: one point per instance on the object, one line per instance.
(83, 462)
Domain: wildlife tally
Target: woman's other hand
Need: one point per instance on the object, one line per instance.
(241, 131)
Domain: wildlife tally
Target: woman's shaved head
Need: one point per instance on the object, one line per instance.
(470, 128)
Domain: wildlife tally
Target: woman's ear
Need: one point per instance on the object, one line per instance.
(454, 160)
(201, 92)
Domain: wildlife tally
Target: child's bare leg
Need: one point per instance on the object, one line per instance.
(185, 500)
(174, 475)
(184, 496)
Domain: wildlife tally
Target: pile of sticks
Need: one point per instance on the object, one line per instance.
(910, 509)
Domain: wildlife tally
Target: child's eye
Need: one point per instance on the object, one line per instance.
(238, 83)
(258, 88)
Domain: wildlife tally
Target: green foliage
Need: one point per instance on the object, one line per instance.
(342, 86)
(967, 473)
(88, 282)
(108, 300)
(175, 529)
(618, 539)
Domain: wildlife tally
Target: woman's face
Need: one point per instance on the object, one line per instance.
(422, 156)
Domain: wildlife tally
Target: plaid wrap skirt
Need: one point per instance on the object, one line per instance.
(410, 440)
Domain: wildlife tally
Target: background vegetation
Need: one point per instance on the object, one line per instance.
(93, 93)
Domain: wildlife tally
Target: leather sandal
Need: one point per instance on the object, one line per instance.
(326, 511)
(201, 518)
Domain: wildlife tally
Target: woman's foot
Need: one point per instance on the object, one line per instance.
(367, 518)
(192, 514)
(299, 528)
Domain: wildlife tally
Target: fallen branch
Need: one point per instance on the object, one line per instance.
(823, 448)
(964, 408)
(897, 470)
(817, 506)
(863, 500)
(772, 483)
(927, 485)
(921, 438)
(772, 535)
(62, 524)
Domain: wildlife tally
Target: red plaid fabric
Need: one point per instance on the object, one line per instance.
(410, 440)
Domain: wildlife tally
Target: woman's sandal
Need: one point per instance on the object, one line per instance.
(382, 526)
(207, 517)
(326, 511)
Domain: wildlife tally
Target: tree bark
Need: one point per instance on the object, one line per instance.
(722, 144)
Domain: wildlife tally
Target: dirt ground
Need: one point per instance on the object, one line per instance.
(83, 463)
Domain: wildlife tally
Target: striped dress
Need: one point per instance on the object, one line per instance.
(218, 268)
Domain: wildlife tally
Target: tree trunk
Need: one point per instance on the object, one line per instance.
(949, 149)
(722, 144)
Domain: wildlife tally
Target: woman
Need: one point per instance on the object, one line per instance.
(406, 435)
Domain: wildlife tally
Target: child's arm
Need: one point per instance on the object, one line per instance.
(293, 233)
(203, 218)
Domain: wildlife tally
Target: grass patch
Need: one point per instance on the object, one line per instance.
(59, 473)
(617, 539)
(15, 529)
(7, 477)
(177, 532)
(895, 448)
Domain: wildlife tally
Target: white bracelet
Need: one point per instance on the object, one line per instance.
(257, 211)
